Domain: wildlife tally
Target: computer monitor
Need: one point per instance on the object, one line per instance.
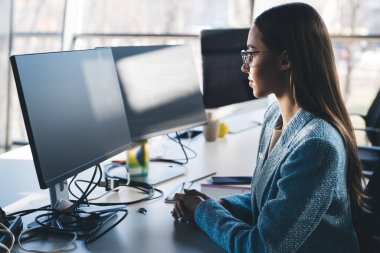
(161, 95)
(73, 112)
(223, 81)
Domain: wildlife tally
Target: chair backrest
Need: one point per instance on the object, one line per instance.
(368, 227)
(223, 81)
(372, 119)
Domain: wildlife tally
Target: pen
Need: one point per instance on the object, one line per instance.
(119, 161)
(203, 177)
(183, 187)
(200, 178)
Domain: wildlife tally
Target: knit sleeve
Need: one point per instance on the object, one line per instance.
(240, 206)
(305, 191)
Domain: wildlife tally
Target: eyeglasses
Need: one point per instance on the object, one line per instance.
(248, 56)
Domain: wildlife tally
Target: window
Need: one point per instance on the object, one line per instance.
(355, 33)
(43, 26)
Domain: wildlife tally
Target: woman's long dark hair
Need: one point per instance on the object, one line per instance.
(299, 30)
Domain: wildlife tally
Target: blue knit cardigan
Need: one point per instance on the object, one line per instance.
(299, 200)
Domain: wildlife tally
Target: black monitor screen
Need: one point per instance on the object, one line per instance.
(73, 110)
(160, 89)
(223, 81)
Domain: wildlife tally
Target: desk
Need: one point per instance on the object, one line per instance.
(156, 231)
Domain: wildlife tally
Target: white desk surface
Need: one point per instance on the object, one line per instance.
(156, 231)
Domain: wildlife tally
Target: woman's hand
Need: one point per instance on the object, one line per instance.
(185, 204)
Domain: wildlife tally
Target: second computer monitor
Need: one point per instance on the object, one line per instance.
(160, 89)
(223, 81)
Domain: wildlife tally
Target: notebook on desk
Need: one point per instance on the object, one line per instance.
(219, 191)
(191, 184)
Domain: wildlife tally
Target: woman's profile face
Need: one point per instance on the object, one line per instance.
(263, 67)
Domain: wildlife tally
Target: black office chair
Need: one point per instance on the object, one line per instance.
(370, 158)
(372, 121)
(368, 226)
(370, 155)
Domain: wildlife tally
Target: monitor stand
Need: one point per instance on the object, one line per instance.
(59, 196)
(59, 199)
(159, 172)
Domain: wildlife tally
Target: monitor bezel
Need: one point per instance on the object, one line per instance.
(44, 183)
(144, 137)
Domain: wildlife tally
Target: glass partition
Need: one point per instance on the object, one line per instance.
(5, 14)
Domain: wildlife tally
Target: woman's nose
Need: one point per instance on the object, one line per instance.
(244, 68)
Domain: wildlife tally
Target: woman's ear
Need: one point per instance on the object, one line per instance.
(284, 61)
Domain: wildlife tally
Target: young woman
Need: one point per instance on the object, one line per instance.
(306, 188)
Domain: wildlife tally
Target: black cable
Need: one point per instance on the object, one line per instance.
(112, 166)
(89, 182)
(184, 146)
(88, 191)
(84, 193)
(94, 238)
(75, 220)
(183, 149)
(88, 224)
(166, 160)
(69, 187)
(145, 187)
(46, 208)
(176, 161)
